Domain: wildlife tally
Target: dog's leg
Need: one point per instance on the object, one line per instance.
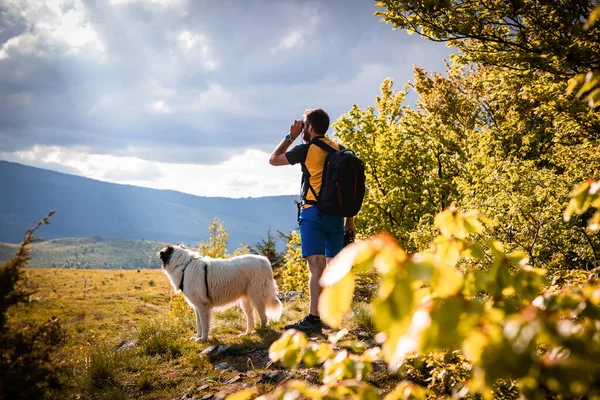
(204, 313)
(249, 311)
(259, 303)
(198, 326)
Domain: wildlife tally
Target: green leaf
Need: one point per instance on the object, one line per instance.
(528, 282)
(335, 300)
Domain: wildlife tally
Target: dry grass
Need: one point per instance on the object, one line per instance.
(131, 305)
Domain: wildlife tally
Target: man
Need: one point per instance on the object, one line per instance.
(321, 234)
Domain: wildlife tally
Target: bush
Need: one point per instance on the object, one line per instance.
(294, 275)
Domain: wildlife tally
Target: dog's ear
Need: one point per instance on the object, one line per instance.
(165, 254)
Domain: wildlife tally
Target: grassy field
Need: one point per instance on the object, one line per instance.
(162, 362)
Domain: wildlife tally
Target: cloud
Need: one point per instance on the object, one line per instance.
(185, 82)
(52, 25)
(247, 174)
(290, 41)
(195, 49)
(160, 107)
(180, 5)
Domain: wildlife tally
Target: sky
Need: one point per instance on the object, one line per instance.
(188, 95)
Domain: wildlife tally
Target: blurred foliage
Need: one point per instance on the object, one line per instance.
(501, 314)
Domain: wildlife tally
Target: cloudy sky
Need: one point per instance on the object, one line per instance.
(187, 95)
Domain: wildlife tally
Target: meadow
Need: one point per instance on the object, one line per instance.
(127, 336)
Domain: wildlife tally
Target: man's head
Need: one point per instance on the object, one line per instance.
(318, 119)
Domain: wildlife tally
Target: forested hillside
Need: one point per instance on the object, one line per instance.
(89, 253)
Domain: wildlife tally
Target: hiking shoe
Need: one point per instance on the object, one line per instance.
(307, 325)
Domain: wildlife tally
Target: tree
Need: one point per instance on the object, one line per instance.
(268, 249)
(543, 36)
(410, 161)
(217, 243)
(487, 138)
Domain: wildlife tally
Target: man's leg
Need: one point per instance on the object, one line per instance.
(313, 250)
(316, 266)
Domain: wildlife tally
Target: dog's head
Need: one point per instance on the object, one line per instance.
(176, 255)
(165, 254)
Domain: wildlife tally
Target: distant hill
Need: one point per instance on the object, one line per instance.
(87, 207)
(89, 253)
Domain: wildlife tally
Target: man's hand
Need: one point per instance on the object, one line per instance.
(350, 227)
(296, 128)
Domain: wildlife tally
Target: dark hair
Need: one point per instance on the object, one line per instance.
(318, 119)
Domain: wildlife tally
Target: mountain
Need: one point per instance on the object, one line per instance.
(87, 207)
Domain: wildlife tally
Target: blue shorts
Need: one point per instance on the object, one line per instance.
(320, 234)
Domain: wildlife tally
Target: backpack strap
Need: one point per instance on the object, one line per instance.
(306, 179)
(325, 146)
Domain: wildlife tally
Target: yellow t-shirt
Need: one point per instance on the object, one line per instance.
(312, 158)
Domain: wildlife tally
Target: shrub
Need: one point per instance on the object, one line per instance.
(26, 368)
(294, 275)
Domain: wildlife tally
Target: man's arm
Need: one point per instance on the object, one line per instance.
(278, 155)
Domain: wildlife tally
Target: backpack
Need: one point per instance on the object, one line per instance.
(343, 183)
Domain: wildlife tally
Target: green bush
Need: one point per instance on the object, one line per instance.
(294, 274)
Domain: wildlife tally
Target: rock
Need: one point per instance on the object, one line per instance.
(273, 377)
(287, 296)
(224, 367)
(235, 379)
(215, 350)
(260, 358)
(209, 396)
(126, 345)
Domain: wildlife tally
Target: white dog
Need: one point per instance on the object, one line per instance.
(207, 283)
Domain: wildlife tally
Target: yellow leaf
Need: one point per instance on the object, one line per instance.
(242, 395)
(474, 345)
(335, 300)
(450, 281)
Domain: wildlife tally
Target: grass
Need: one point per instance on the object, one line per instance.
(139, 306)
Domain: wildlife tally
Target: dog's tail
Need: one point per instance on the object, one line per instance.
(273, 306)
